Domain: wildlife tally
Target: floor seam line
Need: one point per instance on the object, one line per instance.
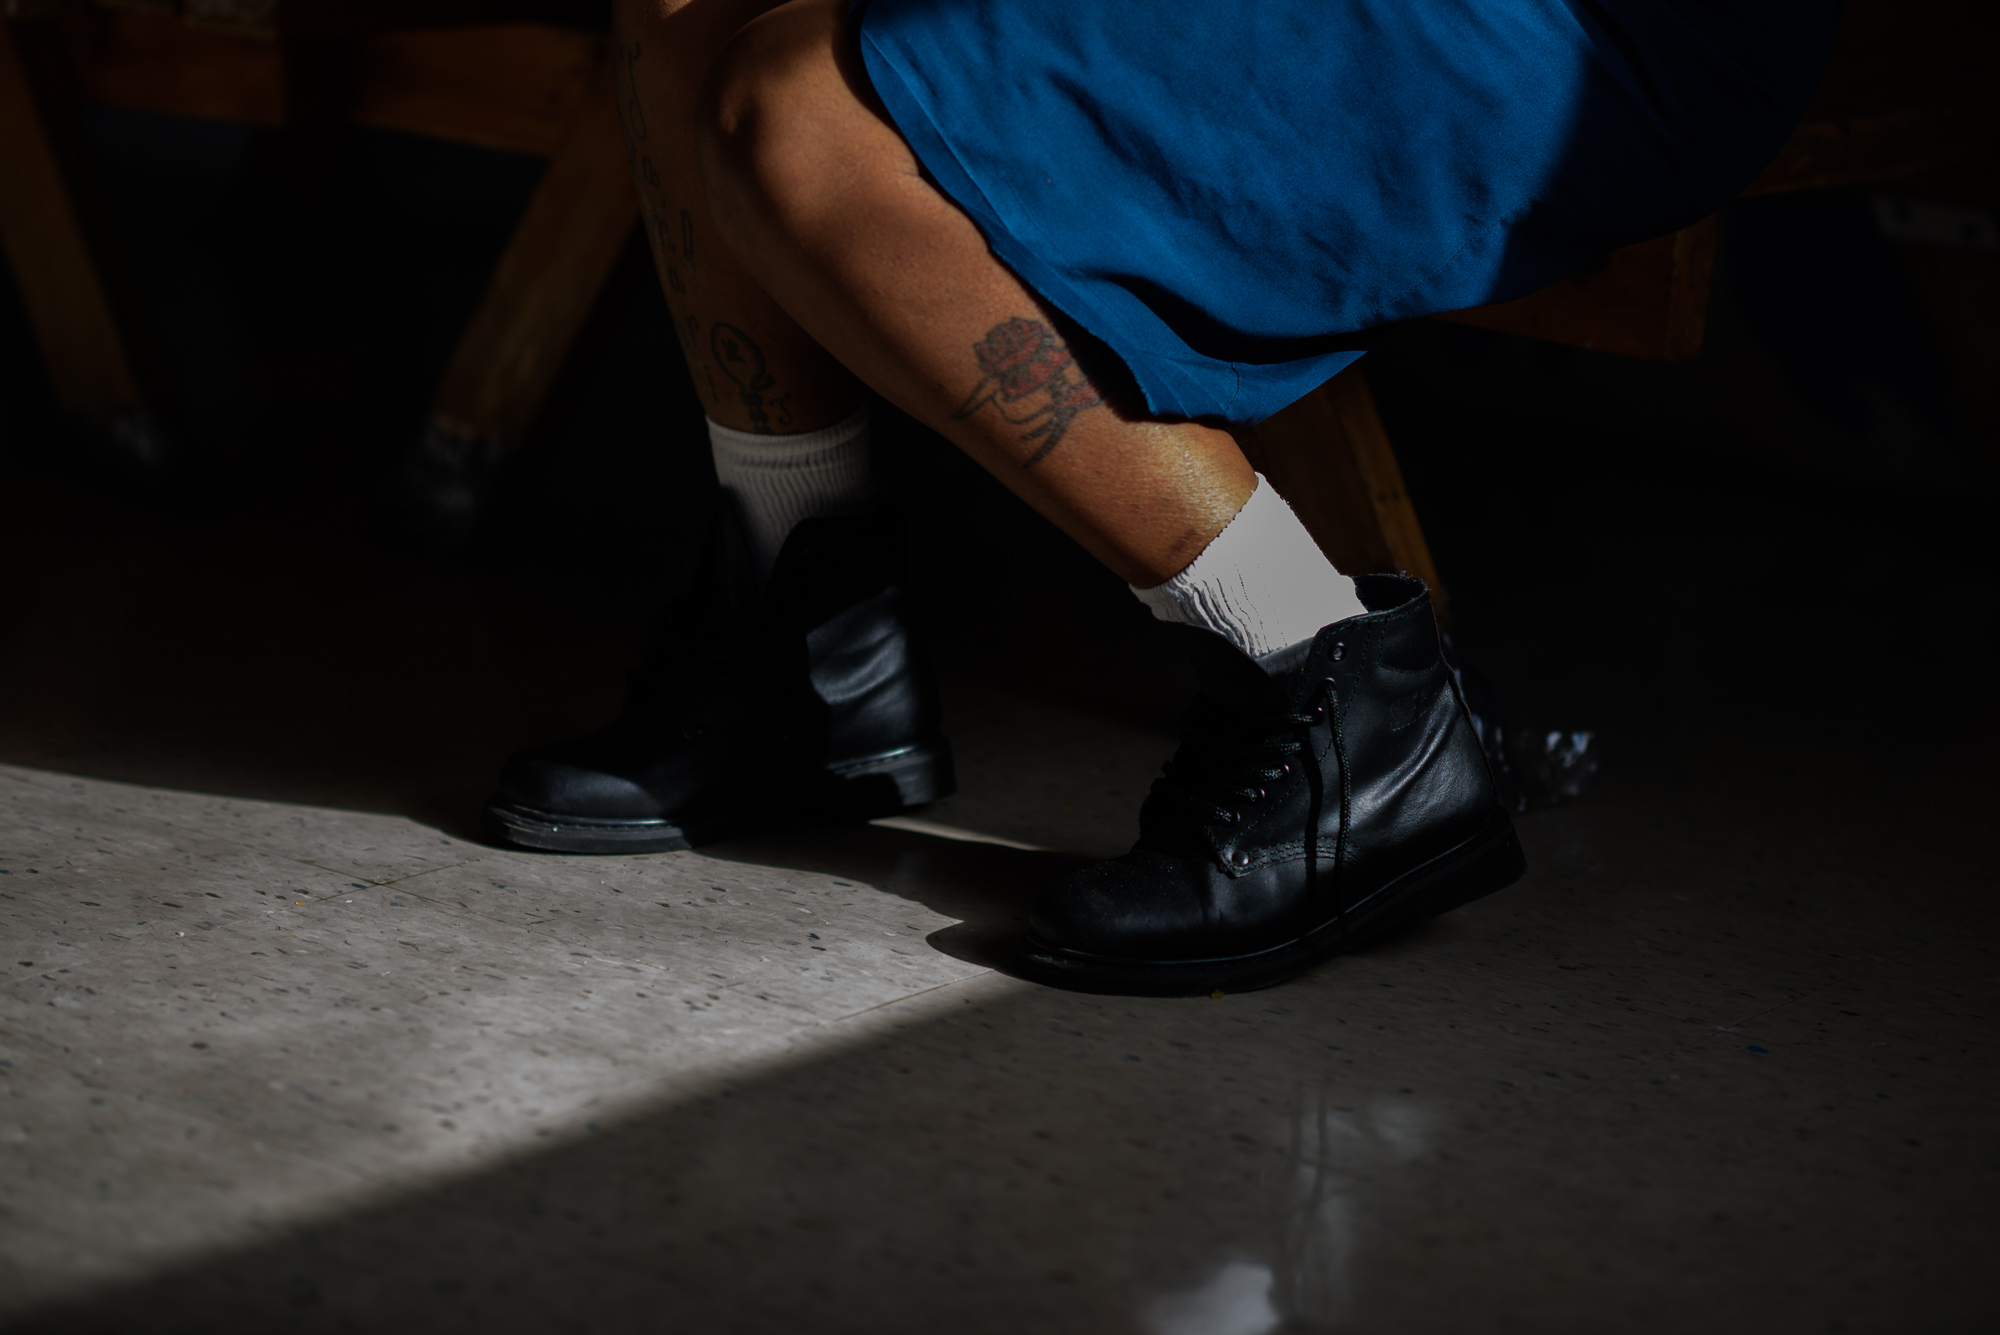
(911, 996)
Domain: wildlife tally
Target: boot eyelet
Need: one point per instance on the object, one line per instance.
(1258, 796)
(1338, 652)
(1241, 859)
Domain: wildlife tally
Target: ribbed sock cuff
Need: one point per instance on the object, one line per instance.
(779, 480)
(1263, 583)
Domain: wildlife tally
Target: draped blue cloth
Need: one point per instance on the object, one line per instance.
(1232, 195)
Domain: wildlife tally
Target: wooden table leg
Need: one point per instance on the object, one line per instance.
(84, 334)
(1329, 457)
(566, 245)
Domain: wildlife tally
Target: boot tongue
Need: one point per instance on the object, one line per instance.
(1239, 704)
(1230, 679)
(1283, 662)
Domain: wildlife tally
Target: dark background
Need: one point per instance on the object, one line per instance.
(1787, 540)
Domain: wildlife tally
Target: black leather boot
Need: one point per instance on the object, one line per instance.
(813, 699)
(1305, 814)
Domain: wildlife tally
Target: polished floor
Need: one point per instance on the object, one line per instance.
(1723, 1062)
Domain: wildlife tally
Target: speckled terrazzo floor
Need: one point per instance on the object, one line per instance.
(1724, 1061)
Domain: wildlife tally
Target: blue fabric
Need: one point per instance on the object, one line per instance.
(1230, 195)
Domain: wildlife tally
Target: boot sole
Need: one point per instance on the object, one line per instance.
(863, 789)
(882, 785)
(1488, 861)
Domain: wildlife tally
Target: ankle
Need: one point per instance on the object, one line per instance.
(1262, 584)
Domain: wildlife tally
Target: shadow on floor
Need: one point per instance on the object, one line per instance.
(1403, 1141)
(988, 887)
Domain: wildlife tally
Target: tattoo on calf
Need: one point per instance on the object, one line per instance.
(663, 246)
(1025, 364)
(633, 114)
(663, 242)
(743, 362)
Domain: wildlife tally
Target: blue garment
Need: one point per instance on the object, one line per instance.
(1230, 195)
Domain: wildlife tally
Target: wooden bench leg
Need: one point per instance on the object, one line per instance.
(567, 243)
(1330, 458)
(85, 334)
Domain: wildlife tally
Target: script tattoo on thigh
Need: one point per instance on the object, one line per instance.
(743, 362)
(1027, 368)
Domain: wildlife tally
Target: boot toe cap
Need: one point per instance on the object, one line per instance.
(550, 784)
(1127, 907)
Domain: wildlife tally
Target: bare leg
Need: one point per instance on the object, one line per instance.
(754, 369)
(824, 206)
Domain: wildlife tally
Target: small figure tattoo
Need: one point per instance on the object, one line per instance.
(743, 361)
(635, 114)
(1023, 360)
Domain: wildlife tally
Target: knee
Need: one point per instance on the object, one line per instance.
(761, 121)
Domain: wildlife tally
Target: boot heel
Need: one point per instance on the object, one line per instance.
(883, 785)
(1488, 861)
(1495, 867)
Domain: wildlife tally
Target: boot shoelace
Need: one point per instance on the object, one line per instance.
(1223, 767)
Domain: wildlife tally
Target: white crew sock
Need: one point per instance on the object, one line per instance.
(778, 480)
(1262, 584)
